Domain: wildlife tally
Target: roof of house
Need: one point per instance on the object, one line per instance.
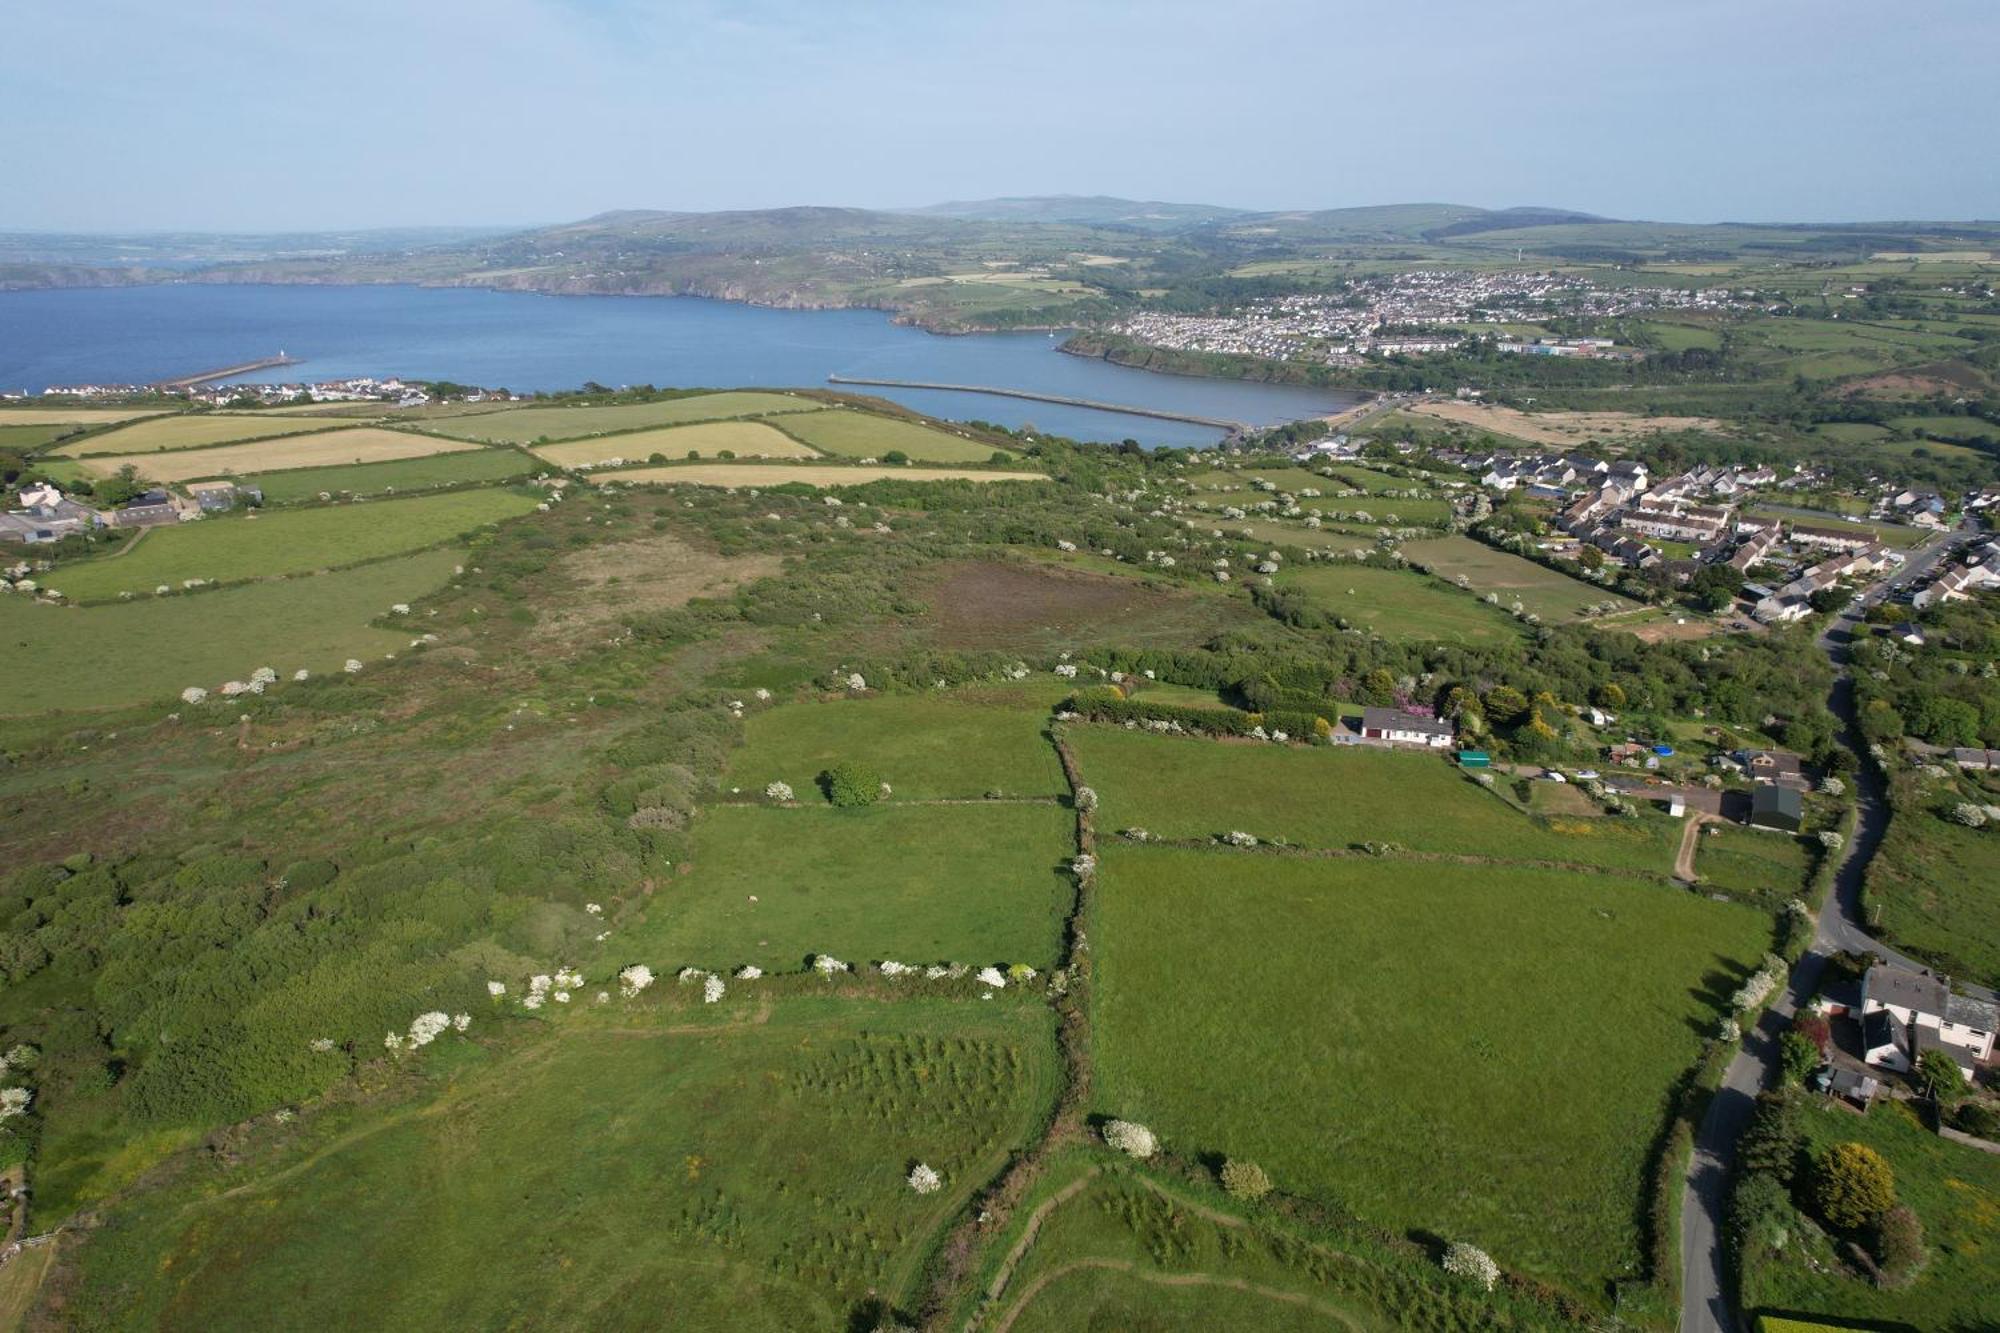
(1928, 993)
(1778, 761)
(1395, 719)
(1777, 800)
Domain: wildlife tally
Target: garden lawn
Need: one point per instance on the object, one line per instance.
(923, 747)
(84, 657)
(253, 546)
(363, 444)
(980, 883)
(1756, 862)
(1955, 1191)
(408, 474)
(625, 1172)
(526, 425)
(1546, 593)
(187, 431)
(1934, 891)
(1340, 796)
(1399, 603)
(751, 439)
(854, 434)
(1482, 1053)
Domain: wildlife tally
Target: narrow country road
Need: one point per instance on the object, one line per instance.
(1705, 1301)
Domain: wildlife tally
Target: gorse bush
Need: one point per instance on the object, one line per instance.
(1851, 1185)
(850, 784)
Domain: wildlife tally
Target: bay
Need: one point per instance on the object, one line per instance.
(523, 341)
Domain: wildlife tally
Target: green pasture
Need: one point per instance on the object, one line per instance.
(1544, 591)
(1955, 1192)
(101, 656)
(743, 1172)
(851, 434)
(405, 474)
(1334, 797)
(1933, 889)
(977, 883)
(1514, 1033)
(254, 546)
(1399, 603)
(1755, 863)
(925, 748)
(187, 431)
(526, 425)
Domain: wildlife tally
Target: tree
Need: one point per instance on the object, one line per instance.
(1897, 1240)
(1825, 600)
(1609, 695)
(1774, 1138)
(1505, 704)
(1814, 1028)
(1798, 1054)
(1245, 1180)
(1378, 687)
(850, 784)
(1851, 1186)
(1943, 720)
(1590, 558)
(1714, 587)
(1938, 1077)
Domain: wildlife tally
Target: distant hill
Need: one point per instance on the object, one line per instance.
(1093, 210)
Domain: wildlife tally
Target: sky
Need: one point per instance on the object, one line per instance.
(224, 115)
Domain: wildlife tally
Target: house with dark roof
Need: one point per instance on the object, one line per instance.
(1777, 766)
(1774, 807)
(1397, 727)
(1905, 1013)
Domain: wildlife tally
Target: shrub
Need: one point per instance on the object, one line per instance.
(1245, 1180)
(1134, 1140)
(849, 784)
(1799, 1055)
(1469, 1261)
(1939, 1077)
(1897, 1241)
(1774, 1139)
(1852, 1185)
(1760, 1214)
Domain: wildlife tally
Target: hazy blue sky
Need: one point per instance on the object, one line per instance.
(224, 114)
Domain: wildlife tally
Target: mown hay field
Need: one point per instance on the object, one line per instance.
(256, 546)
(85, 657)
(190, 430)
(1399, 603)
(750, 439)
(1545, 592)
(925, 748)
(743, 1168)
(364, 444)
(775, 474)
(408, 474)
(1335, 797)
(1484, 1053)
(81, 416)
(852, 434)
(978, 883)
(526, 425)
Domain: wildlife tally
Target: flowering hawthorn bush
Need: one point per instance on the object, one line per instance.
(1469, 1261)
(991, 976)
(712, 988)
(1131, 1138)
(777, 791)
(634, 979)
(924, 1180)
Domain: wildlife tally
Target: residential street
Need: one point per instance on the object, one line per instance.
(1705, 1305)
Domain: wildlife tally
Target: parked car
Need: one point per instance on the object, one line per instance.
(1586, 775)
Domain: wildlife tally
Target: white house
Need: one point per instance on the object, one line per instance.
(1905, 1013)
(1401, 728)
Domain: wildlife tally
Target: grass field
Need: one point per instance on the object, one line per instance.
(81, 416)
(776, 474)
(526, 425)
(853, 434)
(408, 474)
(1546, 593)
(1338, 797)
(254, 546)
(925, 748)
(750, 439)
(1752, 862)
(1889, 534)
(1954, 1190)
(746, 1172)
(1932, 891)
(187, 431)
(1036, 608)
(1399, 604)
(82, 657)
(977, 883)
(1481, 1053)
(363, 444)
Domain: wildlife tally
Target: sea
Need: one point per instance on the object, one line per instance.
(523, 341)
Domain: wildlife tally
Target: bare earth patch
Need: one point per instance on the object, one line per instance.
(651, 574)
(979, 604)
(1557, 427)
(1916, 382)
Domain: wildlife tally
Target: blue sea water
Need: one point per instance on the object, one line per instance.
(521, 341)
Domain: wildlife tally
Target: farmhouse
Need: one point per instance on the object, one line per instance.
(146, 510)
(1777, 766)
(1398, 727)
(1774, 807)
(46, 515)
(1905, 1013)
